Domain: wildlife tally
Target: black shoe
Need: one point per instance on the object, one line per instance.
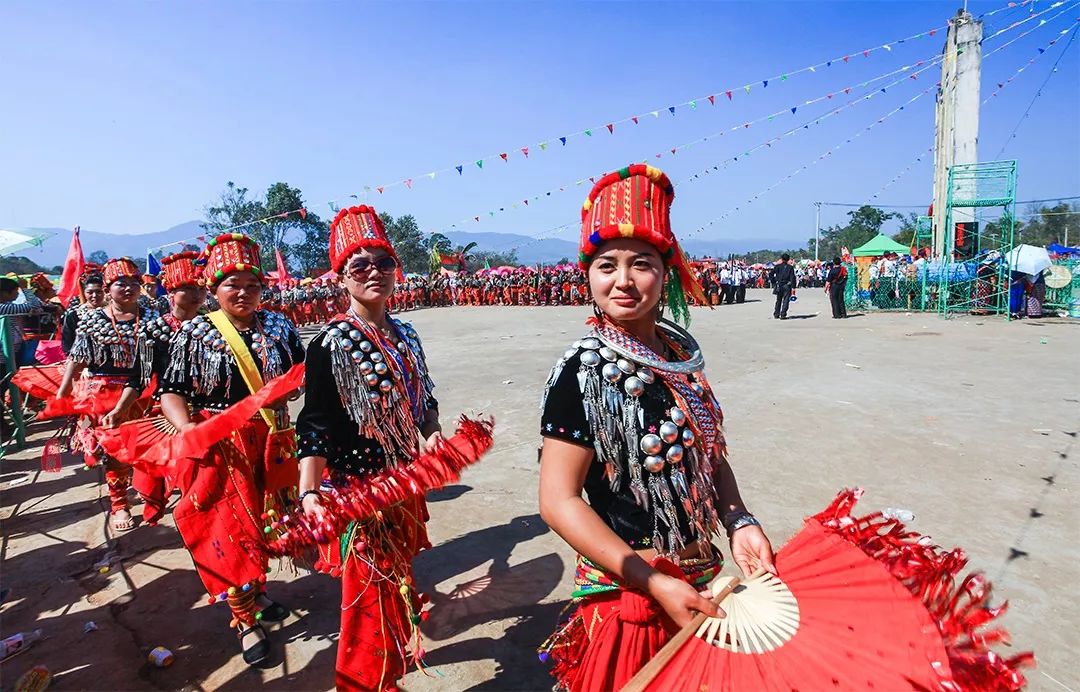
(275, 612)
(783, 317)
(776, 317)
(259, 651)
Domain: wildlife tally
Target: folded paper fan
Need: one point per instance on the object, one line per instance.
(859, 603)
(39, 381)
(362, 497)
(154, 441)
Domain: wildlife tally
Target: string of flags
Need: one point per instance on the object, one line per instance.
(908, 168)
(1041, 51)
(611, 125)
(924, 65)
(302, 212)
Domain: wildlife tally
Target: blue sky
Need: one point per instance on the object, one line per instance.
(130, 116)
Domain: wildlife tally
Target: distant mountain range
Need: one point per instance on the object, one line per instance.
(529, 250)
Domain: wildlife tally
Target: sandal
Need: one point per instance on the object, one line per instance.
(275, 612)
(257, 652)
(121, 523)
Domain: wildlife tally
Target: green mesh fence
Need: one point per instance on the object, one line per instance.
(1063, 298)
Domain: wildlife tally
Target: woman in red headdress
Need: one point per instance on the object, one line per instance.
(100, 361)
(630, 419)
(368, 407)
(232, 491)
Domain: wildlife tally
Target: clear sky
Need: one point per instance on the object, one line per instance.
(131, 116)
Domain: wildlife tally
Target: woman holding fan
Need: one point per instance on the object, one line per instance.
(629, 417)
(368, 408)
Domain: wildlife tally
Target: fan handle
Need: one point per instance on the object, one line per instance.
(650, 670)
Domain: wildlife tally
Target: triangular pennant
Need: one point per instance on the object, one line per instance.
(793, 108)
(747, 88)
(459, 169)
(712, 100)
(846, 58)
(408, 183)
(504, 157)
(525, 150)
(543, 146)
(828, 64)
(431, 175)
(563, 140)
(672, 152)
(847, 90)
(635, 119)
(526, 202)
(655, 114)
(303, 213)
(866, 54)
(728, 95)
(764, 83)
(611, 128)
(812, 69)
(783, 78)
(693, 105)
(480, 163)
(379, 189)
(477, 219)
(829, 96)
(671, 109)
(588, 133)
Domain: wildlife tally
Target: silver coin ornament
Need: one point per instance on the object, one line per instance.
(345, 344)
(385, 386)
(590, 358)
(570, 353)
(377, 357)
(333, 332)
(677, 416)
(647, 376)
(626, 366)
(675, 454)
(611, 372)
(401, 346)
(381, 368)
(357, 357)
(669, 432)
(366, 346)
(344, 326)
(366, 367)
(688, 437)
(608, 354)
(374, 397)
(356, 335)
(653, 464)
(634, 387)
(591, 343)
(651, 444)
(371, 379)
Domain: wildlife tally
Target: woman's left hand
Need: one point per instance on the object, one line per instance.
(433, 441)
(751, 550)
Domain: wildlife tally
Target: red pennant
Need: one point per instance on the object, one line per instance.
(408, 183)
(933, 31)
(712, 99)
(200, 238)
(525, 150)
(673, 151)
(611, 128)
(303, 213)
(634, 119)
(866, 54)
(829, 96)
(503, 157)
(379, 189)
(847, 90)
(846, 58)
(728, 95)
(73, 269)
(746, 126)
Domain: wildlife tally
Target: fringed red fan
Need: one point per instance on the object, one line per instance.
(39, 381)
(154, 441)
(860, 603)
(363, 497)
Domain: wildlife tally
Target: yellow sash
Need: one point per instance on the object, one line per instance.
(244, 360)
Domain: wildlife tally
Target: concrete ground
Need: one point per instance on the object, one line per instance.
(970, 423)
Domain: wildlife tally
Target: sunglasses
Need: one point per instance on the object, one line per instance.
(361, 266)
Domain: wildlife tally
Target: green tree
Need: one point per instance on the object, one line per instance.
(25, 265)
(98, 257)
(493, 258)
(863, 224)
(1047, 224)
(408, 241)
(906, 234)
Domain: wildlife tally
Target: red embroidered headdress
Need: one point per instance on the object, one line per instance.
(355, 228)
(635, 202)
(179, 270)
(228, 253)
(119, 268)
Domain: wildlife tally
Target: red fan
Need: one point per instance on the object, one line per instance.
(861, 603)
(363, 497)
(39, 381)
(155, 441)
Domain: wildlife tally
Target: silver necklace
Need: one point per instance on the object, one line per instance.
(631, 348)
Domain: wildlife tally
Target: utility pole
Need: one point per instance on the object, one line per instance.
(956, 118)
(817, 228)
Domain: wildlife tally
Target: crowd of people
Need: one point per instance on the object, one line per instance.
(188, 392)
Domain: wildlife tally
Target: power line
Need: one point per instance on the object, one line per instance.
(921, 206)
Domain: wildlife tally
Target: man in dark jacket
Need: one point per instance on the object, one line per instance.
(835, 283)
(783, 281)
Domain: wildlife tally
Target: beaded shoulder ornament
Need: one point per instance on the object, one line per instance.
(383, 383)
(671, 463)
(199, 350)
(156, 331)
(100, 339)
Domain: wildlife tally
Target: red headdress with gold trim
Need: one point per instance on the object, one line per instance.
(179, 270)
(228, 253)
(119, 268)
(355, 228)
(635, 202)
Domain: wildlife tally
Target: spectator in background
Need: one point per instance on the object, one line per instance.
(93, 289)
(835, 284)
(783, 281)
(29, 304)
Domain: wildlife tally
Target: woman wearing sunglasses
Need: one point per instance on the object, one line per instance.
(368, 407)
(101, 360)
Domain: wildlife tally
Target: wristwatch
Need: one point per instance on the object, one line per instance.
(733, 521)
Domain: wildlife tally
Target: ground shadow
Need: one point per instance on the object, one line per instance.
(450, 492)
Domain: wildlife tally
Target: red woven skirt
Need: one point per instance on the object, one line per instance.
(380, 607)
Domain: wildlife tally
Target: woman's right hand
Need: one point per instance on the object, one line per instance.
(313, 507)
(680, 600)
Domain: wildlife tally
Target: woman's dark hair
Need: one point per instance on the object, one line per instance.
(8, 285)
(836, 261)
(93, 279)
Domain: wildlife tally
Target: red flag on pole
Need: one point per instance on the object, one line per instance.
(282, 270)
(73, 268)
